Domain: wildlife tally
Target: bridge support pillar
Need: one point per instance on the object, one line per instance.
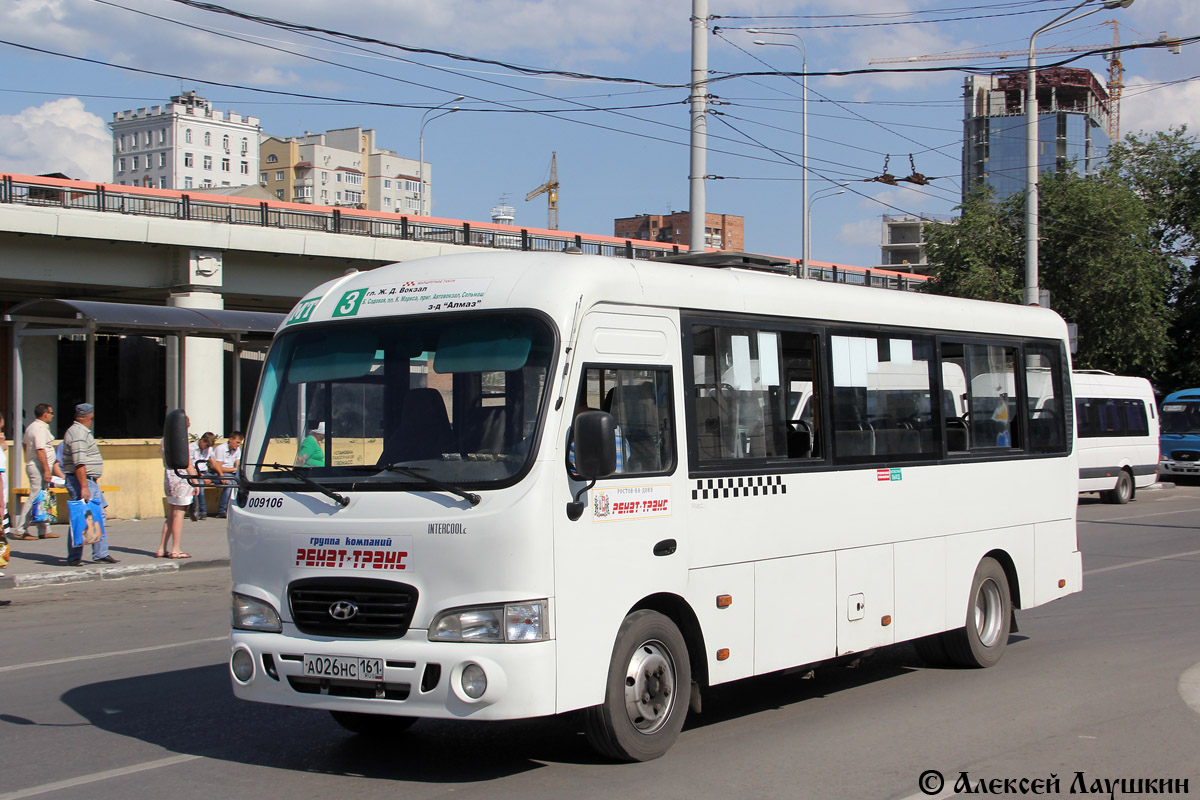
(202, 390)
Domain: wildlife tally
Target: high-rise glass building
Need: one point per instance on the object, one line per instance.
(1073, 111)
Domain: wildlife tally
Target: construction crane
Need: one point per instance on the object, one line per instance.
(1116, 71)
(550, 187)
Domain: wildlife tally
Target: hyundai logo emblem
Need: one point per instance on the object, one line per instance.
(343, 610)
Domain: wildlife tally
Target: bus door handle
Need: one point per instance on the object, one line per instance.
(665, 548)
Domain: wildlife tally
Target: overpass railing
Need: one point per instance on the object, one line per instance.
(201, 207)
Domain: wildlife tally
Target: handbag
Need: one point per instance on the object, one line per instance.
(87, 521)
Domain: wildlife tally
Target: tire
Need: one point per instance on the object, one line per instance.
(1122, 493)
(380, 726)
(646, 693)
(981, 642)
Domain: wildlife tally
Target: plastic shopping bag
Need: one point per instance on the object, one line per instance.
(43, 507)
(87, 521)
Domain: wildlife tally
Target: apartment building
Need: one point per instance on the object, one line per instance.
(721, 231)
(341, 167)
(185, 144)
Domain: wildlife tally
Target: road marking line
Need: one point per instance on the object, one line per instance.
(1144, 516)
(83, 780)
(1189, 687)
(15, 667)
(1142, 561)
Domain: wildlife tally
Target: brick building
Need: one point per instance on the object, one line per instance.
(721, 231)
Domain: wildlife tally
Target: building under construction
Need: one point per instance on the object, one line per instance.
(1073, 117)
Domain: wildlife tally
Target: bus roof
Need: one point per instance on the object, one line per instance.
(557, 282)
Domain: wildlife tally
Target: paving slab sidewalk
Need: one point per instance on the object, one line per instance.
(133, 543)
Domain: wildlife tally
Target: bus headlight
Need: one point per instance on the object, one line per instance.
(252, 614)
(512, 622)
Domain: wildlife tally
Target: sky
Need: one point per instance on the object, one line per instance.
(621, 145)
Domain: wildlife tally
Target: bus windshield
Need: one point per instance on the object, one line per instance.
(400, 403)
(1181, 417)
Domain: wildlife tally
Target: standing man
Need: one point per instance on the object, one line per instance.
(224, 463)
(39, 467)
(82, 466)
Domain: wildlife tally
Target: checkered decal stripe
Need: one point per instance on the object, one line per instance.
(754, 486)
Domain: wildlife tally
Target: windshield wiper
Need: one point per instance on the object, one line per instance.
(307, 481)
(414, 472)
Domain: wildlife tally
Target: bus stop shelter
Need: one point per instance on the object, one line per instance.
(245, 330)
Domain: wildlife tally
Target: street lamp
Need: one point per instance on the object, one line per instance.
(804, 211)
(820, 194)
(1031, 141)
(421, 155)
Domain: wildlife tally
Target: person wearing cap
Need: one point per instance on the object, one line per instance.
(82, 466)
(312, 451)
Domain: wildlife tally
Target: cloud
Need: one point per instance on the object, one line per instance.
(861, 233)
(59, 136)
(1148, 107)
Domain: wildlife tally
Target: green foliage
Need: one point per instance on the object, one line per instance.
(1163, 169)
(980, 256)
(1097, 258)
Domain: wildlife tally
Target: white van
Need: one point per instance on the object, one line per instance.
(1117, 429)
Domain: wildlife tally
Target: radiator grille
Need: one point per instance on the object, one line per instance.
(383, 609)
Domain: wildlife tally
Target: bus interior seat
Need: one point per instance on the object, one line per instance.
(424, 431)
(485, 434)
(639, 423)
(957, 440)
(708, 427)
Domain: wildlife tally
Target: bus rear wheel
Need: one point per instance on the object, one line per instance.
(1122, 493)
(981, 642)
(380, 726)
(646, 693)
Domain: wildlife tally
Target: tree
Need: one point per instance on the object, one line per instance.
(1163, 168)
(979, 255)
(1097, 257)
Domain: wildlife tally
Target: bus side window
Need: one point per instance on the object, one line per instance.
(984, 377)
(1047, 410)
(639, 400)
(755, 393)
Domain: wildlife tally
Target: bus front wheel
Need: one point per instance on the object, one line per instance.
(646, 693)
(981, 642)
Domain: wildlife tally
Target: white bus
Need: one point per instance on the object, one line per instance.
(470, 543)
(1117, 429)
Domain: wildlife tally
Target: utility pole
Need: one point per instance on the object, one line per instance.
(699, 138)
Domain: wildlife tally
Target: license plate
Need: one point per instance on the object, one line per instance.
(350, 668)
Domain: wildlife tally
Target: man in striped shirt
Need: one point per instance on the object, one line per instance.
(82, 466)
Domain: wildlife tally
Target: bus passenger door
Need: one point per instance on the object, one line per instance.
(629, 542)
(866, 598)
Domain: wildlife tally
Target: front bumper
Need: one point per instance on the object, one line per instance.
(1179, 468)
(421, 678)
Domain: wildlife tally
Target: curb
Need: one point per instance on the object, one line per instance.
(102, 573)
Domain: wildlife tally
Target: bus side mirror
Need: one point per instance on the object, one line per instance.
(595, 445)
(175, 440)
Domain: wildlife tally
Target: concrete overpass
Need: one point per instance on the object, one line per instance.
(65, 239)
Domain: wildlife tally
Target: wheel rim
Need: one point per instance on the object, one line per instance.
(988, 611)
(649, 687)
(1125, 486)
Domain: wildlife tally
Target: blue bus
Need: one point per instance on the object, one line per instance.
(1179, 438)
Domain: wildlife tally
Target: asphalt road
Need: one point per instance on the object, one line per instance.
(120, 689)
